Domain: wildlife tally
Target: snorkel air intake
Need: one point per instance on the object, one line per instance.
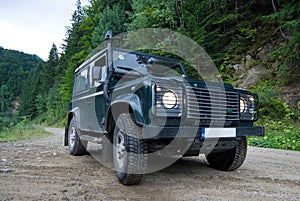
(110, 70)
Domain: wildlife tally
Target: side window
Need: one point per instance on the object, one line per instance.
(99, 71)
(81, 81)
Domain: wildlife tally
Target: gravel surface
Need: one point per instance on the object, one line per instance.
(43, 170)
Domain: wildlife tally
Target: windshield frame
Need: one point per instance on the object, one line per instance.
(176, 62)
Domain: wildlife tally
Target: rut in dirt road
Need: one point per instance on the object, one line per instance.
(43, 170)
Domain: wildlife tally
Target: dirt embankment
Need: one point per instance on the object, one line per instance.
(43, 170)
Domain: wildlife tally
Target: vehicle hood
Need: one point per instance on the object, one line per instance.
(209, 84)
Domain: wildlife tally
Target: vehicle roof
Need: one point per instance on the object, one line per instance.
(90, 60)
(96, 56)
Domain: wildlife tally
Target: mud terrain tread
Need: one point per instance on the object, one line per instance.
(136, 149)
(231, 159)
(240, 154)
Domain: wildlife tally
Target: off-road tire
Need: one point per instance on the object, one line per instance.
(131, 164)
(231, 159)
(77, 147)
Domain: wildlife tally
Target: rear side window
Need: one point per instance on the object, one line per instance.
(81, 81)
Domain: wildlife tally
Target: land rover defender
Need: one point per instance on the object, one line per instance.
(138, 104)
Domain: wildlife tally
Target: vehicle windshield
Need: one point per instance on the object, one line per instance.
(156, 65)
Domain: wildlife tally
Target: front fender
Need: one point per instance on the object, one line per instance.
(129, 103)
(74, 113)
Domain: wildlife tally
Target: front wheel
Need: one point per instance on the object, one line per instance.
(76, 146)
(129, 151)
(230, 159)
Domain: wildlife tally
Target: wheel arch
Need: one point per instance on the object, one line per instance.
(125, 104)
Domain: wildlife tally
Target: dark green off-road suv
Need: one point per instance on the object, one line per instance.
(146, 112)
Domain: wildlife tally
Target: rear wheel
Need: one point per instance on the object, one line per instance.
(230, 159)
(129, 151)
(76, 146)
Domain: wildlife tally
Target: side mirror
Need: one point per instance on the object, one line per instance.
(96, 74)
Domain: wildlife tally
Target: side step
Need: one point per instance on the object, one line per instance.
(92, 139)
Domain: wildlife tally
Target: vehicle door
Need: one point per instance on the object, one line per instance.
(80, 98)
(98, 106)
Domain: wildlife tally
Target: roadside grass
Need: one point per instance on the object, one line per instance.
(50, 121)
(278, 134)
(23, 131)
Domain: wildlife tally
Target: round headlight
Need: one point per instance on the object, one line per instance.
(243, 105)
(169, 99)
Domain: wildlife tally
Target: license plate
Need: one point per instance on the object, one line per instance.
(218, 132)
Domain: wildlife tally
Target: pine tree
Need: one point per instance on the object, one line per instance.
(53, 61)
(287, 16)
(110, 19)
(5, 99)
(28, 96)
(73, 53)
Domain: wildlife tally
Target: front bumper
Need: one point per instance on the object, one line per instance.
(190, 141)
(155, 132)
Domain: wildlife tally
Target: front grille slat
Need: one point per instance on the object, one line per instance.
(196, 97)
(213, 105)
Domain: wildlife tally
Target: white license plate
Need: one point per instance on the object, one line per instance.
(218, 132)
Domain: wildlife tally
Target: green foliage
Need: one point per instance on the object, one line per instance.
(6, 98)
(7, 121)
(28, 96)
(278, 134)
(109, 19)
(22, 131)
(67, 83)
(269, 103)
(40, 104)
(56, 108)
(287, 19)
(76, 48)
(152, 14)
(14, 69)
(281, 124)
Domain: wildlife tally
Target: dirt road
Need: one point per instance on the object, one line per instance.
(43, 170)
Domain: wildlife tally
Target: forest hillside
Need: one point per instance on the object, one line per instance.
(15, 68)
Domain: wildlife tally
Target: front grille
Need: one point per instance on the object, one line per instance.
(212, 104)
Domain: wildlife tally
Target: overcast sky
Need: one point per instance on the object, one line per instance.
(32, 26)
